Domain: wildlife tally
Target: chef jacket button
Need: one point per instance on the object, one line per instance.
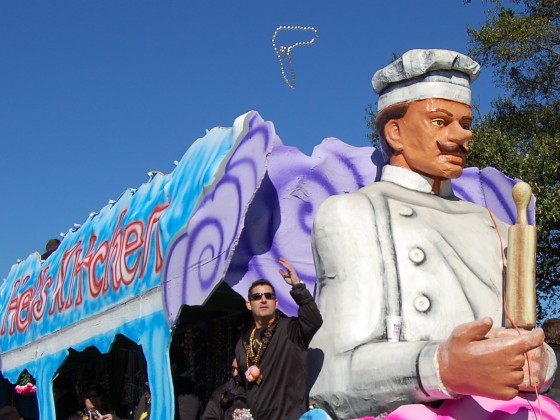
(422, 303)
(416, 255)
(406, 211)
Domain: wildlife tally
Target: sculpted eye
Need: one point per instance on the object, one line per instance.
(438, 122)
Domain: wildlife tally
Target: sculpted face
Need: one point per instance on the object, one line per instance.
(263, 308)
(432, 138)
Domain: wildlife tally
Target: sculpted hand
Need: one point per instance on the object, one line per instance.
(538, 358)
(474, 363)
(290, 276)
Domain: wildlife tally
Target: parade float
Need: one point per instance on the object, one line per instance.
(178, 254)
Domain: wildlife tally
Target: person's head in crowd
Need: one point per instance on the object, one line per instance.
(551, 328)
(52, 245)
(262, 302)
(94, 399)
(234, 371)
(147, 392)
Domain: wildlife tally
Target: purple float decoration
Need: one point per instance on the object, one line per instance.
(199, 256)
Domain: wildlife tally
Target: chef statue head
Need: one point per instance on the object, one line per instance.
(424, 111)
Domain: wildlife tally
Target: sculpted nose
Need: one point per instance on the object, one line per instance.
(459, 134)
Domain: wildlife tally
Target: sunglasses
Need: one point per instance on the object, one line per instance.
(258, 296)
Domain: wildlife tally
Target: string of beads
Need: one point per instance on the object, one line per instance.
(285, 52)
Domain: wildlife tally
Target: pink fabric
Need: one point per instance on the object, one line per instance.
(480, 408)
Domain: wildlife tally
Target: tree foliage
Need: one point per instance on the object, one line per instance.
(522, 44)
(521, 136)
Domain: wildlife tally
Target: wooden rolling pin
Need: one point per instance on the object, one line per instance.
(521, 293)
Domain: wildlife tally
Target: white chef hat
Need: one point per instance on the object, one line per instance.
(423, 74)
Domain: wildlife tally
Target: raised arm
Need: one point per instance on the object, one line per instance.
(289, 275)
(309, 318)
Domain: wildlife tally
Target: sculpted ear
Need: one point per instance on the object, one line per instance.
(392, 134)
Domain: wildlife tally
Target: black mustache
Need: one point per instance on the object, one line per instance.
(453, 148)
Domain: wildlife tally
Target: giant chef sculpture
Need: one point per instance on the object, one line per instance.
(406, 247)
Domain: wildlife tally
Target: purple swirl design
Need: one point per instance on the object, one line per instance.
(199, 256)
(297, 186)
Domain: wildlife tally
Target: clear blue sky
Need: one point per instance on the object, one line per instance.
(94, 94)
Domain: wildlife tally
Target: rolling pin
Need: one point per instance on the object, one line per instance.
(521, 293)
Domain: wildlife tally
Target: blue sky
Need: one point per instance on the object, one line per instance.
(94, 94)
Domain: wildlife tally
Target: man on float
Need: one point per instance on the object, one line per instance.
(272, 355)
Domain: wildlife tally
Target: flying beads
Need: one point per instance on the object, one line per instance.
(285, 52)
